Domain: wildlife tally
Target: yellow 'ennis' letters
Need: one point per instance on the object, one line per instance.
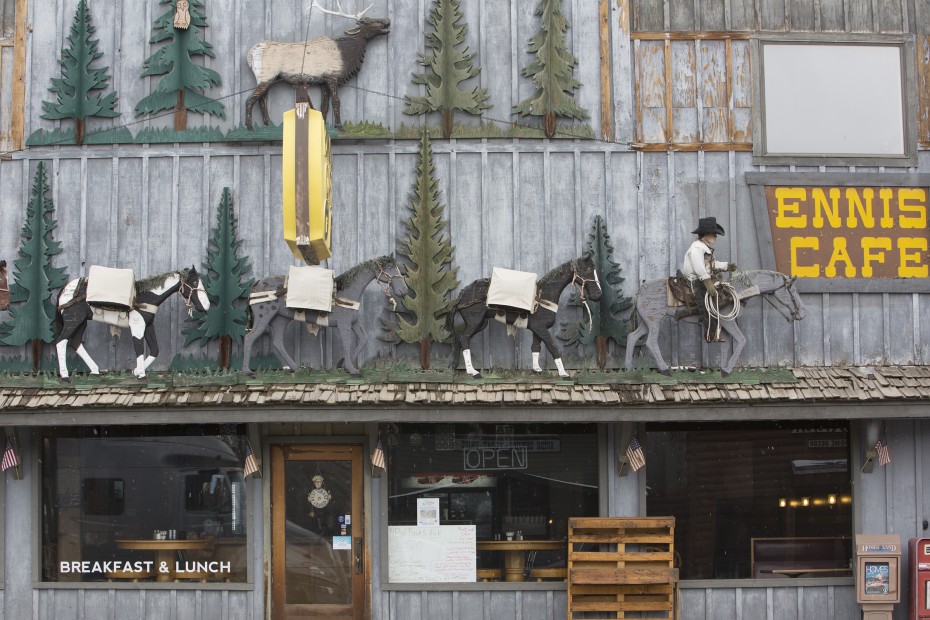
(851, 232)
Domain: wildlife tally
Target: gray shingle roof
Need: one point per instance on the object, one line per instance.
(832, 385)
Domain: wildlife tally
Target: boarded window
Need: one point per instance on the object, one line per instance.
(693, 91)
(7, 18)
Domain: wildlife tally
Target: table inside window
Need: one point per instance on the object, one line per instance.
(164, 552)
(797, 572)
(515, 553)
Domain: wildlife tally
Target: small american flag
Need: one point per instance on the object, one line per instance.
(881, 449)
(634, 454)
(250, 465)
(377, 457)
(10, 456)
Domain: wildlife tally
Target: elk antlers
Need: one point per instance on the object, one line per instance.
(338, 12)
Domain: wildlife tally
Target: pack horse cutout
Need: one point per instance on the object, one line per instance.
(278, 301)
(113, 297)
(537, 309)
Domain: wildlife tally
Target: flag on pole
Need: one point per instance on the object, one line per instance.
(250, 465)
(377, 457)
(634, 454)
(881, 449)
(10, 455)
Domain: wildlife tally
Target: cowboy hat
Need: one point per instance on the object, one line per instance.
(707, 226)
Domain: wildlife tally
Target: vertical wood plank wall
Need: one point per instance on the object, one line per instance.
(526, 204)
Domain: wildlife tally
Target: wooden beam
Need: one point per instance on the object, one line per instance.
(637, 92)
(729, 78)
(607, 117)
(19, 76)
(691, 147)
(688, 36)
(669, 115)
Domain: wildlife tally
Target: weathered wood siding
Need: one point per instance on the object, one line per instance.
(783, 603)
(526, 205)
(885, 16)
(498, 34)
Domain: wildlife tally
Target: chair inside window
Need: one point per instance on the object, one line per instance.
(205, 554)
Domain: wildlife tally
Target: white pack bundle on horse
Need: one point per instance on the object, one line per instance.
(111, 289)
(512, 289)
(310, 288)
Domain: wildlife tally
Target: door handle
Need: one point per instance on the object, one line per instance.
(358, 556)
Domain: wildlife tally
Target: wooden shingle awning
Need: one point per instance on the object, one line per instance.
(803, 393)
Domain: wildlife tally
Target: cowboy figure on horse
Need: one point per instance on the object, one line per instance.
(703, 273)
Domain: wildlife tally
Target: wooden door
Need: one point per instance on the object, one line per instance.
(319, 568)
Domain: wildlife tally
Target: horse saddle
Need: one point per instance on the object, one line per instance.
(679, 295)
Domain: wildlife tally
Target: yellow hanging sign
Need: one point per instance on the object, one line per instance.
(308, 195)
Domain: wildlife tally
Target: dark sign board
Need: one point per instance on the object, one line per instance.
(849, 232)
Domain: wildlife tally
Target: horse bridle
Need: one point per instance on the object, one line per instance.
(188, 298)
(387, 287)
(795, 310)
(580, 282)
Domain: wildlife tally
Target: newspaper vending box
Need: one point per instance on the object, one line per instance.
(878, 581)
(919, 592)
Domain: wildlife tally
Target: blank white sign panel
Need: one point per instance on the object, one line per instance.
(833, 99)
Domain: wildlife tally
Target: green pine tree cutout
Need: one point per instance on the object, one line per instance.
(184, 81)
(447, 67)
(428, 269)
(78, 88)
(551, 71)
(32, 309)
(605, 323)
(222, 278)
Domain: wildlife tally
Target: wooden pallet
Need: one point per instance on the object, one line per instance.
(618, 566)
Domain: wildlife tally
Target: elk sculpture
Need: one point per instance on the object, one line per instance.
(321, 61)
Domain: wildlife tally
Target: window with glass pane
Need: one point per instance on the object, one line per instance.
(144, 504)
(508, 480)
(754, 501)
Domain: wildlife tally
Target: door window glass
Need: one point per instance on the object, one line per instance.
(318, 501)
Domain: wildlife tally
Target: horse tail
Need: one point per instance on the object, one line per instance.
(450, 327)
(59, 322)
(632, 321)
